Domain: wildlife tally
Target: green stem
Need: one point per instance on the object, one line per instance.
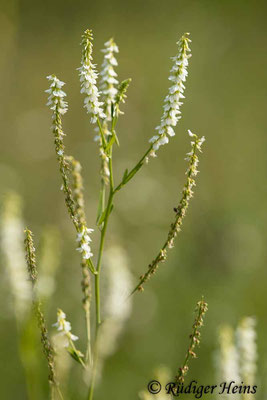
(88, 333)
(101, 133)
(92, 385)
(97, 276)
(101, 247)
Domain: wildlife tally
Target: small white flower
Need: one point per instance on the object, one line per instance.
(153, 139)
(64, 327)
(84, 240)
(163, 140)
(190, 133)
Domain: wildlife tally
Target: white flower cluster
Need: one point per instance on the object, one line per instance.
(172, 102)
(108, 76)
(56, 95)
(88, 79)
(84, 240)
(64, 327)
(246, 343)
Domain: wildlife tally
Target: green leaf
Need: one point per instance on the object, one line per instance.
(132, 173)
(101, 217)
(125, 175)
(101, 204)
(116, 138)
(75, 354)
(110, 143)
(104, 215)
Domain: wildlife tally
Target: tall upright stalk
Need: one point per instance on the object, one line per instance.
(98, 271)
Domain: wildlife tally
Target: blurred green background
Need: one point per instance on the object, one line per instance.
(221, 252)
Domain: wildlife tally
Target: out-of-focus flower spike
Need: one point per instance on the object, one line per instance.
(227, 357)
(13, 253)
(246, 344)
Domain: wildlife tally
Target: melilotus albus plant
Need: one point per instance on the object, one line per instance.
(104, 96)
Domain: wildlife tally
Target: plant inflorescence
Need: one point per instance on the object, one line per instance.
(103, 102)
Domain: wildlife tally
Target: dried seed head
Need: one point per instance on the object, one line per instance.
(201, 309)
(30, 256)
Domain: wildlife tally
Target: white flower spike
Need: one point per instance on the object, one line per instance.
(172, 102)
(88, 79)
(108, 76)
(56, 96)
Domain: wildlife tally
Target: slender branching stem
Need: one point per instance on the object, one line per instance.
(94, 371)
(98, 270)
(88, 335)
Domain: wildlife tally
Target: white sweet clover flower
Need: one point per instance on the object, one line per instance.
(56, 96)
(108, 76)
(64, 327)
(246, 343)
(84, 240)
(172, 102)
(88, 79)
